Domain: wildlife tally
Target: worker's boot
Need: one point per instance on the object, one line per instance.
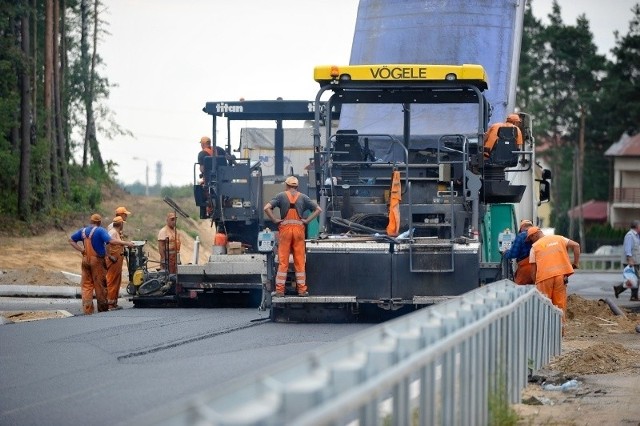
(634, 295)
(617, 289)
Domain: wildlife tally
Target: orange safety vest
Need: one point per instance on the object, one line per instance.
(552, 257)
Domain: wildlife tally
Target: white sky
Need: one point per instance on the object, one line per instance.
(170, 57)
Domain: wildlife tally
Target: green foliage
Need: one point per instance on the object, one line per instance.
(177, 191)
(85, 187)
(562, 76)
(9, 164)
(500, 411)
(603, 235)
(621, 108)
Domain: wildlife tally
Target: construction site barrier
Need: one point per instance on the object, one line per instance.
(440, 365)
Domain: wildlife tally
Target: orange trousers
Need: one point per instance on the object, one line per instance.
(556, 290)
(114, 277)
(291, 240)
(523, 272)
(93, 280)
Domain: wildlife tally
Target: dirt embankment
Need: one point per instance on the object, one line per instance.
(41, 258)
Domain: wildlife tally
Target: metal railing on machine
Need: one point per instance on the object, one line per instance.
(438, 365)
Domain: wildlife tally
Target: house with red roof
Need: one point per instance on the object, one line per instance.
(625, 202)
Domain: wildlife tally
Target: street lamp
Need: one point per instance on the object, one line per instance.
(146, 174)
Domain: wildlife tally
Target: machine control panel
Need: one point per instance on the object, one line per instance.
(505, 240)
(266, 241)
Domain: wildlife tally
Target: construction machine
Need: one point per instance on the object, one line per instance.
(448, 196)
(230, 192)
(414, 212)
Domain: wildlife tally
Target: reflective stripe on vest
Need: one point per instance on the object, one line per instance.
(292, 217)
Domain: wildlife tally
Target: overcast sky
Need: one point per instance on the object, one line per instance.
(170, 57)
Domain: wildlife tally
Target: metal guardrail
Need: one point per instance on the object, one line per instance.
(441, 363)
(601, 262)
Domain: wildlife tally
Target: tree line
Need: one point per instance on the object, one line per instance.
(582, 102)
(53, 88)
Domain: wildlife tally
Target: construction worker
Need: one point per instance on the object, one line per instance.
(291, 227)
(631, 247)
(94, 238)
(124, 214)
(550, 265)
(491, 137)
(519, 251)
(114, 261)
(207, 151)
(169, 244)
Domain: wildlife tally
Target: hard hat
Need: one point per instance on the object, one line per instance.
(513, 118)
(205, 139)
(122, 210)
(291, 181)
(532, 231)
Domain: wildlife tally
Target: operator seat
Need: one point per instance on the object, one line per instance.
(502, 153)
(347, 147)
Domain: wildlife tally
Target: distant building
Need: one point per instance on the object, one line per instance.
(592, 212)
(258, 144)
(625, 203)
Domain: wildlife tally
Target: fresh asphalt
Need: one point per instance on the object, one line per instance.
(114, 368)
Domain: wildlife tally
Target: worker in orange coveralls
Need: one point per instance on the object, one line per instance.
(291, 227)
(490, 138)
(94, 237)
(550, 265)
(168, 238)
(114, 263)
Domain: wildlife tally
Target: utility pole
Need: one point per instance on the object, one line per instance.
(580, 178)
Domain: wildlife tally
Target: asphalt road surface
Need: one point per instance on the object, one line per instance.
(113, 367)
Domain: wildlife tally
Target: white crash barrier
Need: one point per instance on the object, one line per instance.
(441, 364)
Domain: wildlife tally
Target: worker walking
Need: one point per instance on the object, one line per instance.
(169, 244)
(631, 247)
(94, 237)
(550, 265)
(291, 238)
(519, 251)
(114, 261)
